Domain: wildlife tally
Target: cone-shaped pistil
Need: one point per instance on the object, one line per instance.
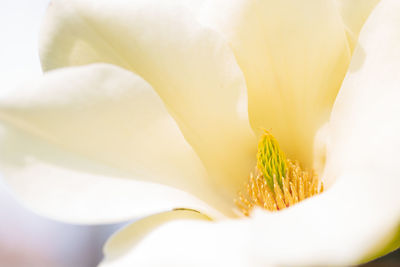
(277, 182)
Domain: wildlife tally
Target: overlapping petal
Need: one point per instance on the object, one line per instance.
(354, 14)
(364, 128)
(331, 229)
(132, 234)
(56, 134)
(355, 219)
(195, 73)
(294, 55)
(190, 66)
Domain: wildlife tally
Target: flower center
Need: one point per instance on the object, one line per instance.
(277, 182)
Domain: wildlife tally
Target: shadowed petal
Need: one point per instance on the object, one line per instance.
(294, 55)
(355, 13)
(81, 144)
(132, 234)
(189, 65)
(355, 219)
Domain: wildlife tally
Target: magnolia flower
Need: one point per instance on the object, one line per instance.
(159, 107)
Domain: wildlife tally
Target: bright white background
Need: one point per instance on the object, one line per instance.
(19, 27)
(25, 238)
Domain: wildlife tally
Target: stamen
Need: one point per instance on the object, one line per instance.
(258, 193)
(277, 182)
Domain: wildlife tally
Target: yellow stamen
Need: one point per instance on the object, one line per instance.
(277, 182)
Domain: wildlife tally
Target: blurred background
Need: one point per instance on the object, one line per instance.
(28, 240)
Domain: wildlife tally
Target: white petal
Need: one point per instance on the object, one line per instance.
(127, 237)
(294, 55)
(364, 128)
(355, 13)
(335, 229)
(191, 67)
(355, 219)
(106, 115)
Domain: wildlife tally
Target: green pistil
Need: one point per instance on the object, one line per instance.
(271, 160)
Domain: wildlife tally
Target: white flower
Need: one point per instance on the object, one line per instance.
(173, 123)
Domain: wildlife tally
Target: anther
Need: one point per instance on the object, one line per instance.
(277, 182)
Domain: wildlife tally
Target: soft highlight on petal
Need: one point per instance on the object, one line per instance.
(356, 218)
(294, 55)
(364, 128)
(124, 239)
(331, 229)
(355, 13)
(109, 116)
(190, 66)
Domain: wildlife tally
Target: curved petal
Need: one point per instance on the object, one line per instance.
(364, 126)
(355, 219)
(294, 55)
(130, 235)
(355, 13)
(336, 229)
(191, 67)
(99, 114)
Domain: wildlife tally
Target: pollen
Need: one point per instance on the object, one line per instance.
(276, 182)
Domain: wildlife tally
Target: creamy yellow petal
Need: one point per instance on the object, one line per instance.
(123, 240)
(355, 13)
(355, 219)
(364, 128)
(110, 117)
(335, 228)
(190, 66)
(294, 55)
